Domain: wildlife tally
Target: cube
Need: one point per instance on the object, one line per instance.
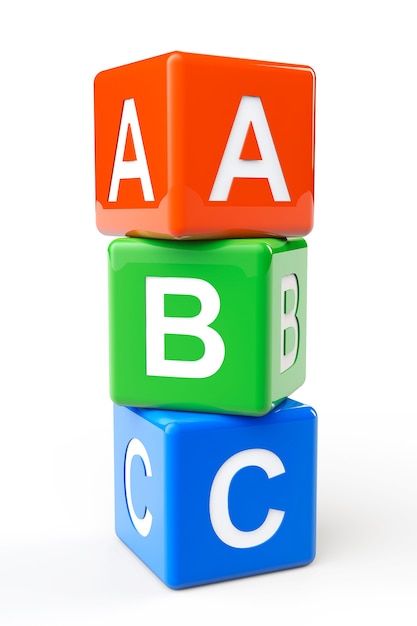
(205, 498)
(208, 326)
(192, 146)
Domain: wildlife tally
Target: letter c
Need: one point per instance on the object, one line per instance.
(136, 448)
(219, 496)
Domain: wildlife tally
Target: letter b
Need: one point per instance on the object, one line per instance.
(289, 321)
(158, 325)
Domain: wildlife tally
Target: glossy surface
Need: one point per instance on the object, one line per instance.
(246, 354)
(182, 109)
(204, 498)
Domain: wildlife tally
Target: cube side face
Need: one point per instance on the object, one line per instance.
(289, 305)
(139, 487)
(221, 148)
(162, 354)
(130, 112)
(240, 493)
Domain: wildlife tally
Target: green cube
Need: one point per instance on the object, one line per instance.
(208, 326)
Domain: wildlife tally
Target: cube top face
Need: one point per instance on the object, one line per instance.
(204, 147)
(208, 326)
(204, 501)
(174, 423)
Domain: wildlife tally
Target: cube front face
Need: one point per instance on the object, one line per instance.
(207, 326)
(203, 500)
(194, 146)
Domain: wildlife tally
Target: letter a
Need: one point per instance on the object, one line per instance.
(250, 111)
(123, 170)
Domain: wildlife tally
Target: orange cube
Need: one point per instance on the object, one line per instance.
(191, 146)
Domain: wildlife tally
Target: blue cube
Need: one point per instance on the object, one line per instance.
(201, 498)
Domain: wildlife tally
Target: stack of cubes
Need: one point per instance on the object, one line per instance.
(205, 168)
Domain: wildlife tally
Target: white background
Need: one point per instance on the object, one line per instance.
(60, 562)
